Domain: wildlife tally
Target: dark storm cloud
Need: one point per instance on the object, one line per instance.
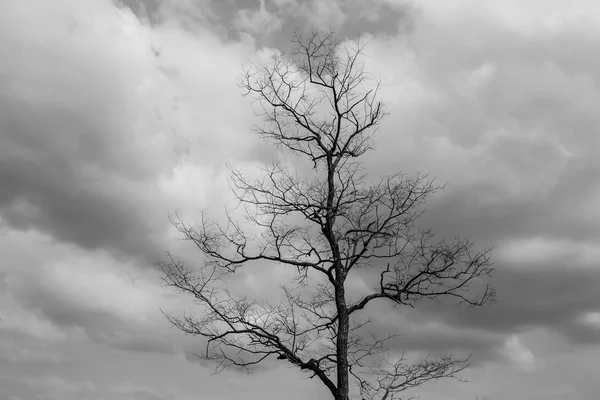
(555, 294)
(349, 19)
(261, 19)
(487, 211)
(81, 295)
(142, 8)
(48, 193)
(550, 282)
(72, 161)
(101, 326)
(559, 285)
(550, 296)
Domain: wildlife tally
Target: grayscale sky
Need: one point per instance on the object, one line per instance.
(114, 115)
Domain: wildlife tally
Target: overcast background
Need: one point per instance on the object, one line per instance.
(114, 115)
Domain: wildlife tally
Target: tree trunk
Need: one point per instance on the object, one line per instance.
(343, 388)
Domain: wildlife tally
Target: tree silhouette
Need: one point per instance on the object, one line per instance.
(318, 102)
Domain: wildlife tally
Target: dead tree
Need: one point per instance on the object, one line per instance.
(318, 102)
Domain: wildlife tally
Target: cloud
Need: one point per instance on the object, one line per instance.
(127, 390)
(54, 387)
(192, 15)
(86, 139)
(16, 318)
(16, 348)
(79, 296)
(258, 22)
(554, 296)
(519, 355)
(72, 141)
(321, 14)
(272, 23)
(315, 15)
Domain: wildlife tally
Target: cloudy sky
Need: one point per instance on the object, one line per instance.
(114, 115)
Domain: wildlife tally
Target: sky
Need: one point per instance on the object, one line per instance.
(113, 115)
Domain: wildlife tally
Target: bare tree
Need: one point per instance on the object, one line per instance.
(319, 102)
